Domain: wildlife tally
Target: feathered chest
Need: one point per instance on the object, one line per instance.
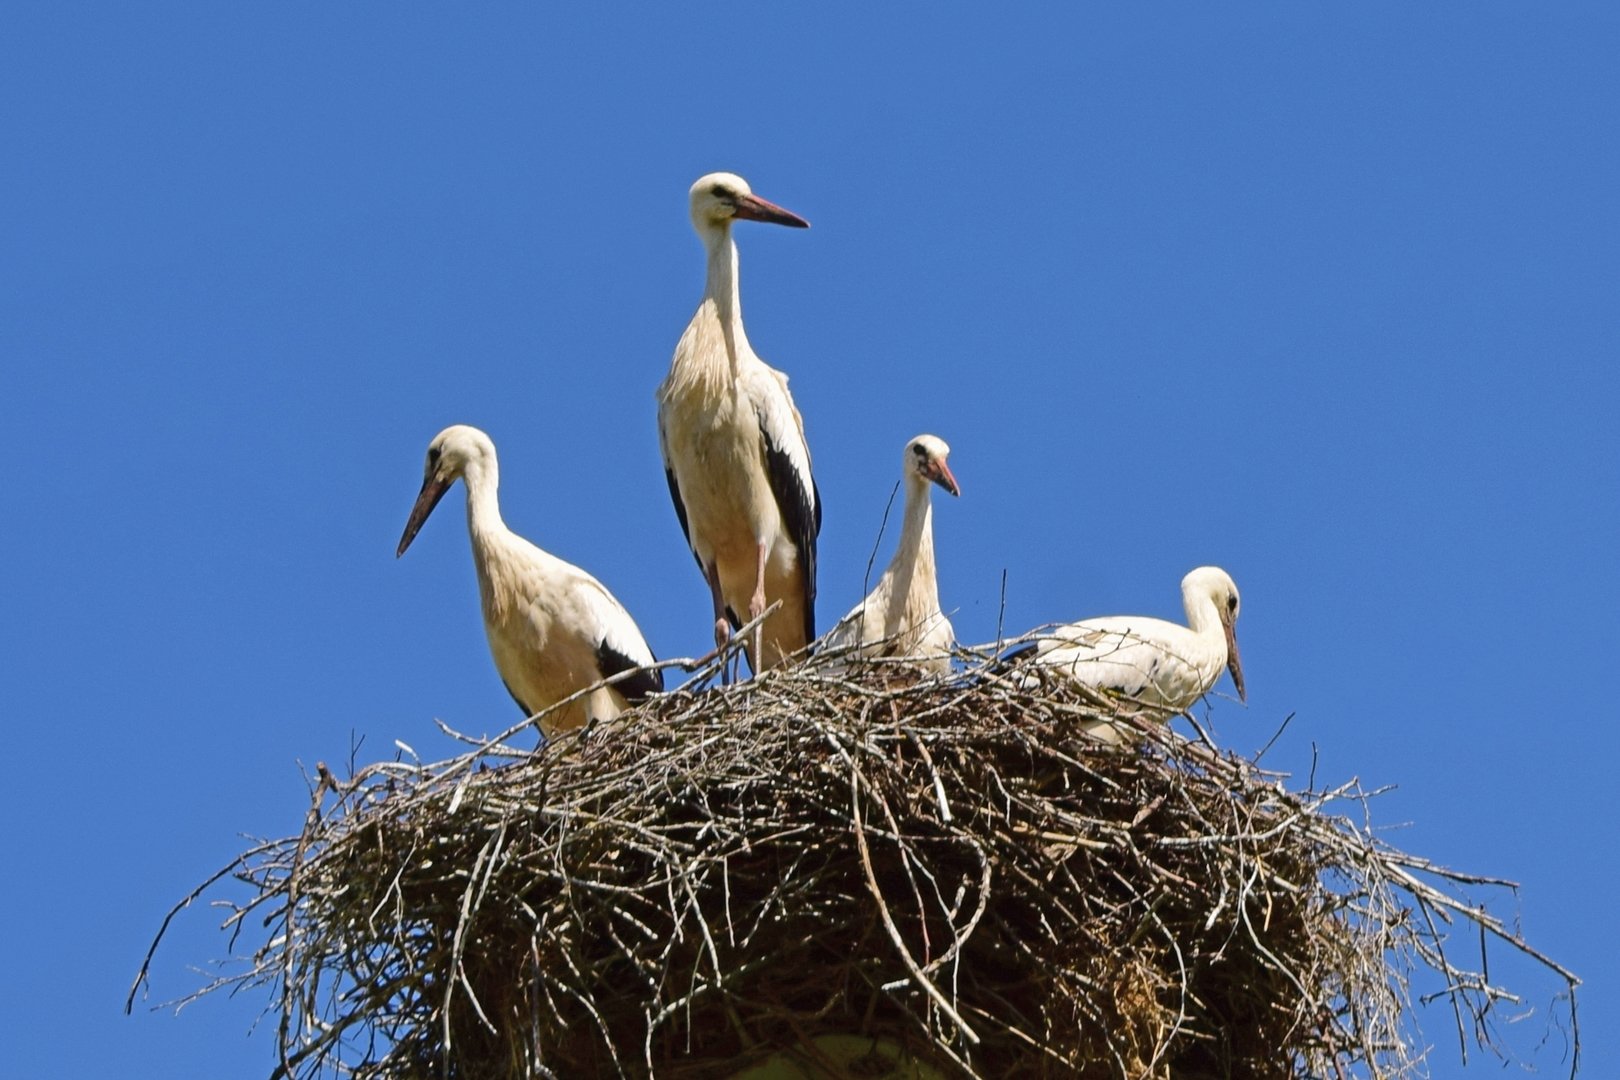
(708, 415)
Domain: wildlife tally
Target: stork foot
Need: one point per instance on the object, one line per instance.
(722, 638)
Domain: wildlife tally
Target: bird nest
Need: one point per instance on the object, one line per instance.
(942, 874)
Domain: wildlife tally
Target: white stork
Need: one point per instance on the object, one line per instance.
(553, 629)
(901, 615)
(734, 449)
(1160, 664)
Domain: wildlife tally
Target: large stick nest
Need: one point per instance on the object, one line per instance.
(947, 868)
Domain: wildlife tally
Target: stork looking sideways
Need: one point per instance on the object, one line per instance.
(1160, 664)
(901, 616)
(734, 449)
(553, 629)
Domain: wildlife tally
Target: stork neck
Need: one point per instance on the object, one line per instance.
(722, 287)
(483, 505)
(916, 547)
(1203, 618)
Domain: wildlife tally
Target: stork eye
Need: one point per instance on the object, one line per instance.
(1231, 603)
(433, 455)
(719, 192)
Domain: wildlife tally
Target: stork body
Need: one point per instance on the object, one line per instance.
(553, 629)
(734, 448)
(901, 615)
(1162, 665)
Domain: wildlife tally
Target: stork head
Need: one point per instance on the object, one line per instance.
(1215, 585)
(924, 462)
(720, 198)
(452, 453)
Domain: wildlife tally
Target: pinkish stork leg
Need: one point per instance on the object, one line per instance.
(722, 625)
(756, 608)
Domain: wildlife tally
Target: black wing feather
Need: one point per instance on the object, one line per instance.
(610, 662)
(801, 512)
(526, 710)
(1008, 660)
(680, 512)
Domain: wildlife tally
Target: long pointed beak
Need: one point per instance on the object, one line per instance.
(433, 490)
(942, 476)
(754, 208)
(1232, 663)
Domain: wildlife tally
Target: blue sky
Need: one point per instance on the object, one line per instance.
(1325, 298)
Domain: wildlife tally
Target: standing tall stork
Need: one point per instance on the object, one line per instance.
(901, 616)
(553, 629)
(1162, 665)
(734, 450)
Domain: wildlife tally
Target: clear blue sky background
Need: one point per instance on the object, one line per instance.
(1326, 298)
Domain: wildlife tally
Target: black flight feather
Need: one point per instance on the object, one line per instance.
(1004, 663)
(610, 662)
(680, 512)
(526, 710)
(801, 512)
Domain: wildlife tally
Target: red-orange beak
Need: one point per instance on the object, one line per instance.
(940, 473)
(754, 208)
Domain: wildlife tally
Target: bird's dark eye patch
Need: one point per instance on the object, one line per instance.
(433, 455)
(720, 192)
(920, 450)
(1231, 603)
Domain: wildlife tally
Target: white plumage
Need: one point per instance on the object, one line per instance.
(553, 629)
(734, 449)
(901, 615)
(1163, 665)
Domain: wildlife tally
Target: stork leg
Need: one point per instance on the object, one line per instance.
(756, 608)
(722, 625)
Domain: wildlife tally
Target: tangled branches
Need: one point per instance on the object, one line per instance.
(945, 868)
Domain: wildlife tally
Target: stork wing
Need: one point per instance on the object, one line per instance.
(526, 710)
(619, 644)
(846, 632)
(636, 687)
(675, 489)
(1110, 653)
(787, 467)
